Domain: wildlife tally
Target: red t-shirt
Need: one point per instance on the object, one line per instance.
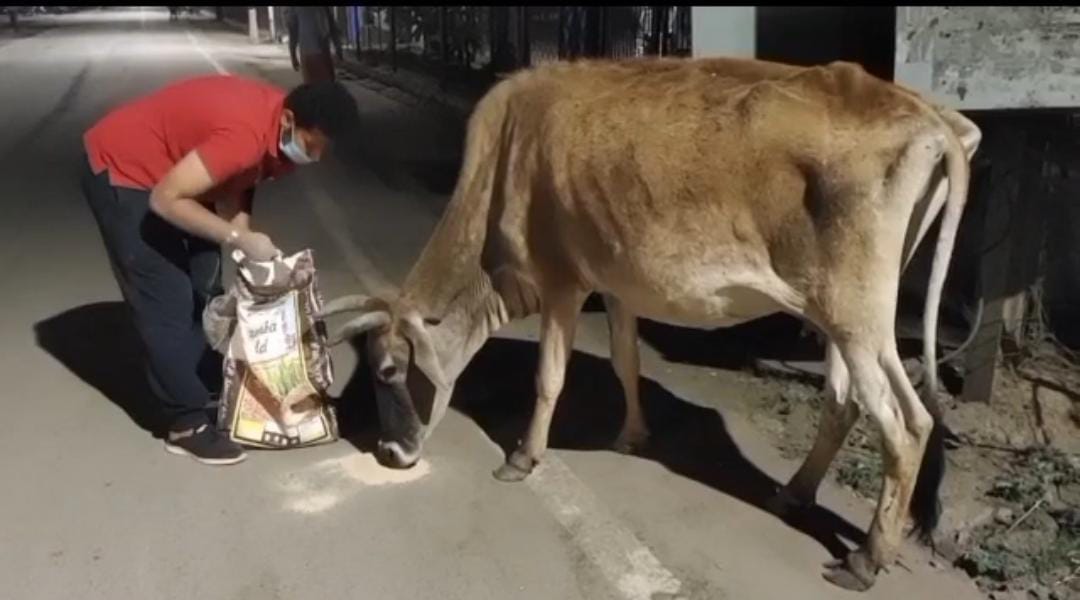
(232, 122)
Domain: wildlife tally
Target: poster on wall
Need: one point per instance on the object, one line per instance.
(991, 57)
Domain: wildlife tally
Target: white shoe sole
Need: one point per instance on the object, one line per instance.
(177, 450)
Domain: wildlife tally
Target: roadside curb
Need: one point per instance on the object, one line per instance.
(425, 90)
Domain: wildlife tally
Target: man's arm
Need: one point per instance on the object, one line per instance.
(174, 200)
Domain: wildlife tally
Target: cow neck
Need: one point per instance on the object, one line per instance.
(448, 284)
(471, 318)
(449, 264)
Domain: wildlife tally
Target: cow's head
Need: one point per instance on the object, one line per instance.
(411, 391)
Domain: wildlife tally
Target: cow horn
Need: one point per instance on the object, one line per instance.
(359, 325)
(345, 304)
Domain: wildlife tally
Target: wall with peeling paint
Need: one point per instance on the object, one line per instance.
(976, 58)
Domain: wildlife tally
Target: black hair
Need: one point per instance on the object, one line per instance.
(326, 106)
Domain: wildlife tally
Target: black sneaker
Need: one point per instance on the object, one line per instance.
(207, 446)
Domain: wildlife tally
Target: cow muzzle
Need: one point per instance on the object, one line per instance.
(395, 455)
(402, 433)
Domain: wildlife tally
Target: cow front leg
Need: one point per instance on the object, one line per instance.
(837, 418)
(558, 320)
(622, 326)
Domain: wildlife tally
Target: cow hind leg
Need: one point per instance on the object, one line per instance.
(627, 363)
(930, 436)
(557, 322)
(904, 431)
(877, 376)
(839, 414)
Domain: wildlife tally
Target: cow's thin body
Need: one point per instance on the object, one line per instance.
(704, 193)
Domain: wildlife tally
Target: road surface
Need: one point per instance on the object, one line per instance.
(92, 507)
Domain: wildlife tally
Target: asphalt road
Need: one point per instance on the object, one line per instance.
(92, 507)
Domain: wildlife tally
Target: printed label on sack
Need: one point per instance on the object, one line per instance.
(269, 332)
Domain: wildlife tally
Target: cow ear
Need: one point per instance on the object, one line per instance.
(424, 353)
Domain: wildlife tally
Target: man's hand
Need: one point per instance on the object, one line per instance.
(255, 246)
(237, 210)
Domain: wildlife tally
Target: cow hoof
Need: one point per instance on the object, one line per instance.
(855, 572)
(784, 504)
(516, 468)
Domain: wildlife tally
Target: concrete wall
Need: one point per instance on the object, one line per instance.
(975, 58)
(723, 30)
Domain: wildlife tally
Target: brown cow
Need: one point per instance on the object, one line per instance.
(701, 193)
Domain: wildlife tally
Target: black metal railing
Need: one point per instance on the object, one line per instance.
(479, 42)
(472, 45)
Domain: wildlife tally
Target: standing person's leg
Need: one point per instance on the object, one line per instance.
(151, 266)
(328, 61)
(306, 72)
(316, 66)
(328, 65)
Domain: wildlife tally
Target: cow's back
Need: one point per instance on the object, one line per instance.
(614, 169)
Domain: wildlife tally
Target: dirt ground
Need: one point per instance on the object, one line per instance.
(1011, 496)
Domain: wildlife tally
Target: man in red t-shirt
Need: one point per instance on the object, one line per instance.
(170, 179)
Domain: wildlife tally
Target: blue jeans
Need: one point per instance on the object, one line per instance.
(166, 278)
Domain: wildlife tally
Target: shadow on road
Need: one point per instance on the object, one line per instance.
(776, 337)
(770, 338)
(358, 415)
(497, 392)
(98, 343)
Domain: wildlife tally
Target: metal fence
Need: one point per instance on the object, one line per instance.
(473, 44)
(478, 42)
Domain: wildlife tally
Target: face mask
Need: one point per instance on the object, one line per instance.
(293, 150)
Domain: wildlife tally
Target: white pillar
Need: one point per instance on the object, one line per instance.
(273, 30)
(723, 31)
(253, 25)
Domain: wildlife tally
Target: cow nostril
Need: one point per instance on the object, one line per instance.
(387, 373)
(393, 455)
